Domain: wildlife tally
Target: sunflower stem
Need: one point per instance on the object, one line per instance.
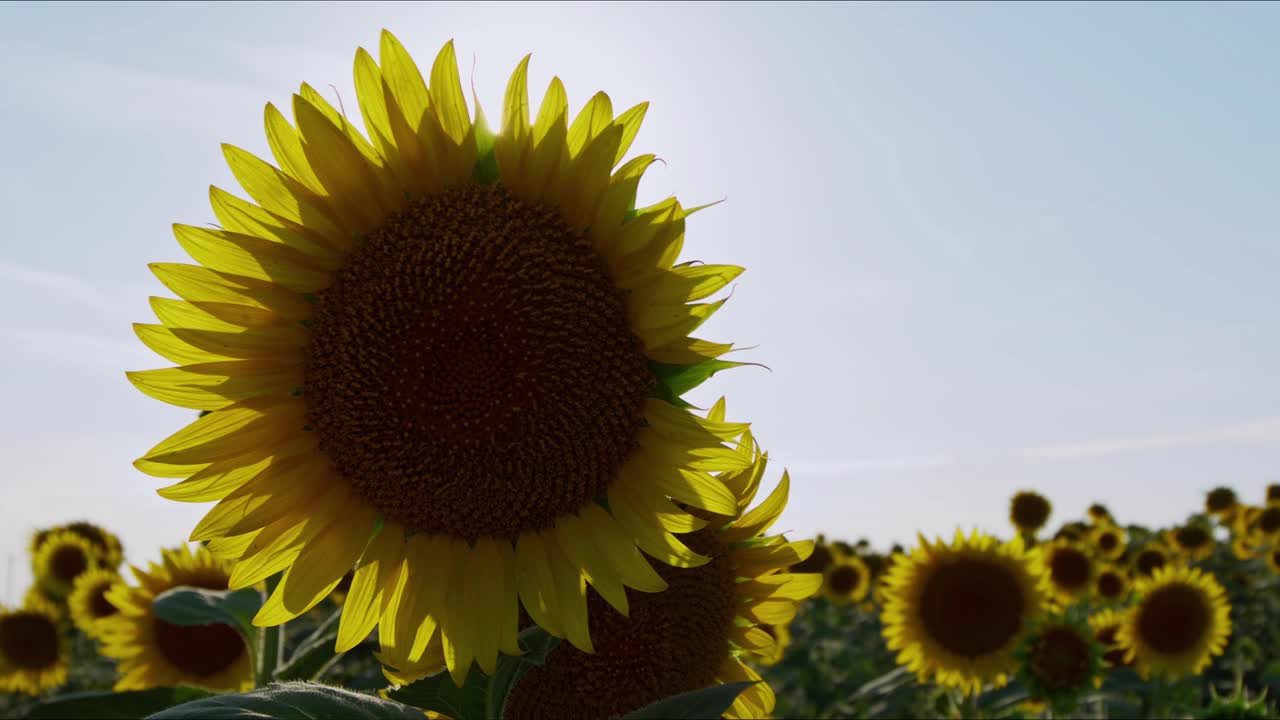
(270, 646)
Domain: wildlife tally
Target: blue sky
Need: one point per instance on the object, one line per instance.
(989, 246)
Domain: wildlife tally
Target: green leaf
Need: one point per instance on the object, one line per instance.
(314, 654)
(198, 606)
(711, 702)
(131, 704)
(537, 645)
(677, 380)
(291, 701)
(486, 169)
(437, 692)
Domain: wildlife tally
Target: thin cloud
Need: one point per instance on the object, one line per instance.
(856, 466)
(1264, 430)
(51, 282)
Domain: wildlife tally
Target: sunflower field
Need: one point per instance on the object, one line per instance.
(436, 377)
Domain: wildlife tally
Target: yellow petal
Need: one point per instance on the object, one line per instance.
(651, 538)
(579, 547)
(344, 172)
(618, 551)
(251, 257)
(686, 283)
(571, 593)
(162, 341)
(277, 545)
(319, 567)
(459, 647)
(363, 606)
(244, 217)
(215, 481)
(549, 133)
(373, 108)
(211, 386)
(232, 431)
(761, 518)
(200, 284)
(688, 351)
(756, 561)
(280, 194)
(511, 146)
(629, 121)
(447, 100)
(484, 594)
(536, 584)
(783, 586)
(592, 120)
(286, 147)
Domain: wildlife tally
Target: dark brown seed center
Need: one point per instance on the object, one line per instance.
(28, 641)
(844, 579)
(972, 606)
(99, 605)
(1110, 585)
(1060, 659)
(1192, 537)
(1148, 561)
(1108, 541)
(1030, 510)
(1173, 619)
(200, 650)
(472, 370)
(1069, 568)
(68, 562)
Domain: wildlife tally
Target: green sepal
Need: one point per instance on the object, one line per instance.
(676, 380)
(485, 171)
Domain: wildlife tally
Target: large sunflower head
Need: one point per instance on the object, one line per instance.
(954, 612)
(468, 344)
(1220, 501)
(846, 580)
(90, 608)
(63, 556)
(1192, 540)
(1029, 511)
(695, 634)
(1108, 541)
(155, 653)
(1069, 568)
(1110, 584)
(33, 648)
(1149, 558)
(1058, 660)
(1181, 620)
(1106, 631)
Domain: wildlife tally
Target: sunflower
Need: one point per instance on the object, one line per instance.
(1273, 494)
(1108, 541)
(954, 612)
(155, 653)
(1099, 513)
(695, 634)
(1110, 584)
(1268, 524)
(442, 352)
(1071, 531)
(63, 556)
(1182, 619)
(1192, 540)
(846, 580)
(1150, 557)
(1244, 548)
(33, 648)
(1070, 570)
(1220, 501)
(90, 609)
(1106, 631)
(1029, 511)
(108, 547)
(1058, 660)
